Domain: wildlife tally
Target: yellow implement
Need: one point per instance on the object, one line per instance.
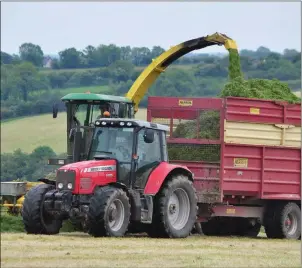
(158, 65)
(13, 193)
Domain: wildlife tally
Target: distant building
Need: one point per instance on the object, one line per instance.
(47, 62)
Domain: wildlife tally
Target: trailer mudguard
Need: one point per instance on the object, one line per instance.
(161, 173)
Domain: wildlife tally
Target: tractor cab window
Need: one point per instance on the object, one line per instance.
(113, 141)
(148, 152)
(80, 114)
(149, 156)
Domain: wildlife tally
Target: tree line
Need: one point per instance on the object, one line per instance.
(27, 90)
(105, 55)
(27, 166)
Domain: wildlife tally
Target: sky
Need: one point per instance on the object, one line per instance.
(56, 26)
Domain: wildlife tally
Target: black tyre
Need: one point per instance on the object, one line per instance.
(269, 221)
(288, 221)
(35, 219)
(175, 209)
(197, 228)
(248, 228)
(211, 227)
(109, 213)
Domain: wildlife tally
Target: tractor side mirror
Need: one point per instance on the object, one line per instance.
(149, 136)
(54, 110)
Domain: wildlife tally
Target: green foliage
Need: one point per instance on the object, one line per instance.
(260, 89)
(29, 167)
(31, 53)
(236, 87)
(208, 127)
(27, 91)
(208, 153)
(234, 64)
(11, 224)
(14, 224)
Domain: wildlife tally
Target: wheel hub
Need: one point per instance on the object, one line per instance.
(288, 222)
(291, 223)
(116, 215)
(178, 209)
(172, 208)
(112, 213)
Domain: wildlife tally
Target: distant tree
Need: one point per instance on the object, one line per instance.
(126, 53)
(28, 79)
(90, 54)
(70, 58)
(42, 152)
(31, 53)
(291, 54)
(6, 58)
(55, 64)
(262, 52)
(106, 55)
(156, 51)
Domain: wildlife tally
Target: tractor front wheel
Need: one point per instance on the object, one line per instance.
(175, 209)
(109, 213)
(35, 219)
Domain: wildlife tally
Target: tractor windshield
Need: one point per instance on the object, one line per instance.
(113, 141)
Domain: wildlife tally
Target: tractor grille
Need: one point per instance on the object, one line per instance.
(65, 177)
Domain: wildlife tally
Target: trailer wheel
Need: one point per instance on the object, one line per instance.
(288, 221)
(35, 220)
(109, 213)
(269, 221)
(175, 209)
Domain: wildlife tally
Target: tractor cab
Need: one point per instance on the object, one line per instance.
(82, 111)
(135, 147)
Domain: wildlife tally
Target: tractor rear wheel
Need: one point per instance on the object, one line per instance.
(175, 209)
(35, 219)
(109, 212)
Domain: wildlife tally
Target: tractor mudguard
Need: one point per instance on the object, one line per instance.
(159, 175)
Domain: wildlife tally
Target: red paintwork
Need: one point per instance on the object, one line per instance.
(238, 109)
(273, 172)
(98, 178)
(158, 176)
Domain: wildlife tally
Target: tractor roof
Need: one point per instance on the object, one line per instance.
(135, 122)
(94, 97)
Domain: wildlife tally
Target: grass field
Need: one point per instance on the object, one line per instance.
(30, 132)
(81, 250)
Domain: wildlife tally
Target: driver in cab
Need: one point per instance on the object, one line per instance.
(104, 111)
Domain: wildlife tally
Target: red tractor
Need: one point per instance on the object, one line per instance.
(126, 180)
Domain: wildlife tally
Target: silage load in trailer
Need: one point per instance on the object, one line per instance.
(236, 87)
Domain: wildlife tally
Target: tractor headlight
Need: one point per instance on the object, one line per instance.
(104, 123)
(122, 123)
(69, 186)
(129, 124)
(97, 123)
(60, 185)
